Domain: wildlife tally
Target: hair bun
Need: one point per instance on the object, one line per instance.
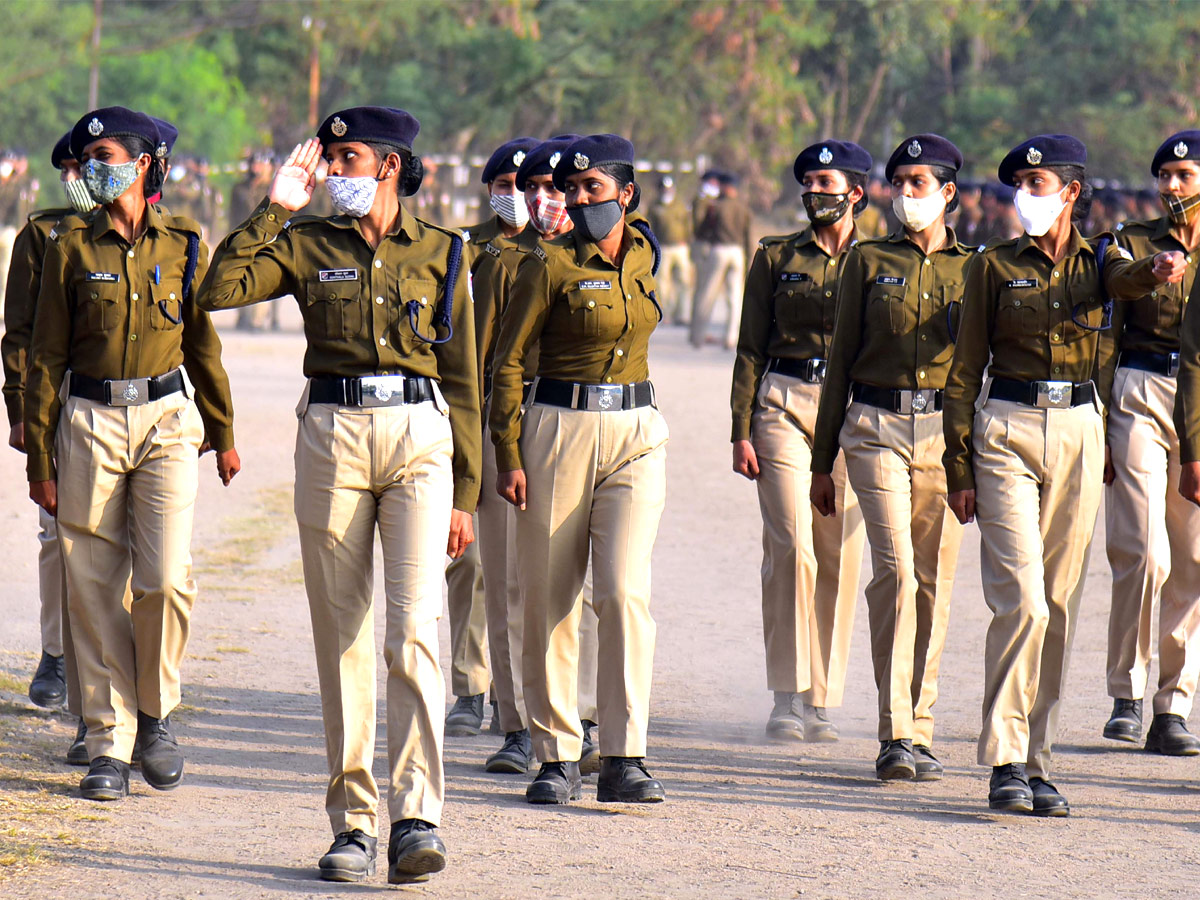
(414, 174)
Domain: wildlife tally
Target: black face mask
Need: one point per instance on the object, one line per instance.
(594, 221)
(825, 209)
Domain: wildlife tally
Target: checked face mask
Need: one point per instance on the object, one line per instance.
(547, 214)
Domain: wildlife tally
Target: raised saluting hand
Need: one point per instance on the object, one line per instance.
(297, 177)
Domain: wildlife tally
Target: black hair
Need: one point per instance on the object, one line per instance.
(623, 174)
(946, 175)
(858, 179)
(412, 170)
(135, 146)
(1067, 174)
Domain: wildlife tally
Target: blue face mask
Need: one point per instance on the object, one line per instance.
(108, 182)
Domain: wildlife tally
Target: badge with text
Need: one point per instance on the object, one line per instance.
(102, 277)
(795, 276)
(595, 284)
(896, 280)
(338, 274)
(1020, 283)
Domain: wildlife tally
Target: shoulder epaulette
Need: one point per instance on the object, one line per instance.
(295, 221)
(39, 214)
(540, 252)
(773, 239)
(491, 248)
(444, 229)
(73, 222)
(182, 223)
(1136, 224)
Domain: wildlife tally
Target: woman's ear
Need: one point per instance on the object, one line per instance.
(627, 192)
(1074, 189)
(392, 165)
(951, 194)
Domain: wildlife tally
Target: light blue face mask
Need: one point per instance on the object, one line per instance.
(108, 182)
(352, 196)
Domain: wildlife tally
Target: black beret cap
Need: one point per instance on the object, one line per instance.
(61, 151)
(1179, 146)
(845, 156)
(924, 150)
(590, 152)
(167, 134)
(542, 159)
(1042, 150)
(508, 158)
(370, 123)
(112, 121)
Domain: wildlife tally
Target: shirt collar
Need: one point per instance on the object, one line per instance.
(406, 224)
(901, 234)
(809, 236)
(1074, 245)
(102, 223)
(586, 251)
(1162, 228)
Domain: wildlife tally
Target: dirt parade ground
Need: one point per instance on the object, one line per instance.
(743, 818)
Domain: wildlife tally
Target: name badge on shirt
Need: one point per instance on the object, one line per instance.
(103, 277)
(1020, 283)
(897, 280)
(795, 276)
(596, 284)
(338, 274)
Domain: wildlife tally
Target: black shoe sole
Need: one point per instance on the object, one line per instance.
(896, 773)
(604, 795)
(1052, 812)
(416, 866)
(1014, 805)
(1168, 751)
(104, 794)
(1124, 735)
(505, 765)
(784, 734)
(554, 799)
(346, 876)
(934, 775)
(816, 735)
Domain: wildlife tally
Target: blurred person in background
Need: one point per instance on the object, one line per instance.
(672, 223)
(724, 230)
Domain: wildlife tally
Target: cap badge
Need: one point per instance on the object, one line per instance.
(914, 149)
(161, 150)
(581, 162)
(130, 393)
(1033, 156)
(554, 158)
(518, 157)
(1180, 150)
(825, 157)
(95, 127)
(338, 127)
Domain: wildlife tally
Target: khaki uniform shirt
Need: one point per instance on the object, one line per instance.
(1020, 316)
(20, 301)
(788, 312)
(491, 282)
(106, 309)
(672, 223)
(726, 221)
(591, 320)
(355, 303)
(896, 311)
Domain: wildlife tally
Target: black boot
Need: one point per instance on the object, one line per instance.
(589, 756)
(1009, 789)
(895, 761)
(465, 718)
(158, 751)
(77, 754)
(107, 779)
(1125, 723)
(624, 779)
(1047, 801)
(414, 852)
(556, 782)
(1169, 736)
(514, 757)
(351, 857)
(786, 722)
(49, 685)
(928, 766)
(817, 727)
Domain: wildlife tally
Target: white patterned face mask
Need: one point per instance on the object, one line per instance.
(352, 197)
(511, 208)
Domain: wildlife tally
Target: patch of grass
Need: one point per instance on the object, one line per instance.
(229, 649)
(12, 685)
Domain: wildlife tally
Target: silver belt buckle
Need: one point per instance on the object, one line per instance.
(128, 391)
(604, 397)
(381, 390)
(1172, 364)
(815, 371)
(915, 402)
(1053, 394)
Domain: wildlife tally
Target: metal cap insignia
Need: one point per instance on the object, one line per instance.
(338, 127)
(161, 150)
(914, 149)
(1180, 150)
(825, 157)
(1033, 156)
(130, 393)
(554, 158)
(95, 127)
(581, 162)
(518, 157)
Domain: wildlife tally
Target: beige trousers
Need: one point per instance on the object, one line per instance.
(810, 562)
(894, 463)
(596, 483)
(1153, 538)
(676, 281)
(358, 470)
(469, 673)
(127, 481)
(722, 273)
(1037, 492)
(56, 621)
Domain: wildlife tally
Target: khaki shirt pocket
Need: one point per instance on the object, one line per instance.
(333, 309)
(798, 308)
(646, 299)
(166, 306)
(412, 316)
(887, 312)
(1087, 312)
(593, 312)
(946, 317)
(1017, 313)
(96, 305)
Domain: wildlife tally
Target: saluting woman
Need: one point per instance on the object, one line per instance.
(585, 463)
(389, 438)
(1030, 462)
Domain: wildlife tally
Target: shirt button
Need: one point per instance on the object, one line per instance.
(171, 296)
(1057, 369)
(133, 296)
(829, 293)
(629, 296)
(791, 293)
(1016, 303)
(133, 337)
(591, 304)
(608, 379)
(270, 217)
(833, 262)
(378, 299)
(921, 374)
(379, 264)
(382, 342)
(1056, 274)
(129, 254)
(95, 296)
(1056, 337)
(620, 352)
(424, 301)
(1188, 258)
(925, 296)
(1154, 293)
(928, 261)
(924, 337)
(1056, 304)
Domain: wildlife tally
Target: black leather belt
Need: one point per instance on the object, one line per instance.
(926, 400)
(371, 390)
(1158, 363)
(810, 370)
(594, 397)
(126, 391)
(1043, 394)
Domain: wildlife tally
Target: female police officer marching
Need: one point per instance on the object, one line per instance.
(891, 351)
(810, 564)
(389, 437)
(585, 464)
(1029, 462)
(117, 461)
